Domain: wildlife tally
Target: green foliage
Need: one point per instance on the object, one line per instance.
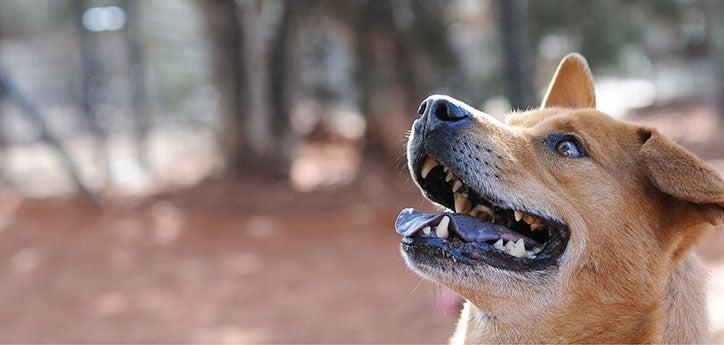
(599, 29)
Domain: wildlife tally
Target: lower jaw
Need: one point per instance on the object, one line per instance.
(441, 253)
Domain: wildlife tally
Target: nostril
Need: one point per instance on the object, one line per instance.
(444, 108)
(447, 111)
(422, 108)
(441, 111)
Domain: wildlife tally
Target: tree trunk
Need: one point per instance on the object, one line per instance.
(516, 61)
(32, 114)
(224, 31)
(92, 89)
(254, 57)
(3, 137)
(137, 80)
(385, 79)
(285, 80)
(715, 15)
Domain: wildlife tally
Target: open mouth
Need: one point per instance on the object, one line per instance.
(481, 229)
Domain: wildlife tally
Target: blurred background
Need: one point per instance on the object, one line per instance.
(225, 171)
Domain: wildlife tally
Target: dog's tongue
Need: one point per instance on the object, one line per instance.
(468, 228)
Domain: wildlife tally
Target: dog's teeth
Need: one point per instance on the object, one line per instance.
(427, 167)
(537, 250)
(508, 247)
(441, 229)
(445, 169)
(519, 249)
(483, 209)
(499, 244)
(535, 223)
(457, 185)
(535, 226)
(426, 230)
(462, 204)
(518, 216)
(529, 254)
(449, 177)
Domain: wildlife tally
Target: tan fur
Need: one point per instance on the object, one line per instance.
(572, 85)
(635, 209)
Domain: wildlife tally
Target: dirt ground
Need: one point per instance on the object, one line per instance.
(227, 262)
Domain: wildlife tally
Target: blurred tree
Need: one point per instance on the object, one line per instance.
(255, 97)
(285, 80)
(32, 115)
(376, 38)
(403, 53)
(715, 12)
(225, 36)
(254, 56)
(599, 29)
(92, 88)
(516, 53)
(137, 79)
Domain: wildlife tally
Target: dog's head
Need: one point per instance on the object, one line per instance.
(558, 199)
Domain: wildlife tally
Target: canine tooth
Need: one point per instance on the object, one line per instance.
(519, 249)
(499, 244)
(457, 185)
(462, 204)
(537, 250)
(449, 177)
(483, 209)
(518, 216)
(429, 164)
(535, 226)
(426, 230)
(442, 230)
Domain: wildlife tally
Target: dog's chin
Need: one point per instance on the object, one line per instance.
(475, 280)
(438, 270)
(472, 281)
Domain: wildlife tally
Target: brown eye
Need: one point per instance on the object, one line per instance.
(568, 149)
(565, 145)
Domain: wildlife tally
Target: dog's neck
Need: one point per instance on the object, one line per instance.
(477, 326)
(683, 298)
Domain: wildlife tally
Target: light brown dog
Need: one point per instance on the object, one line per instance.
(569, 226)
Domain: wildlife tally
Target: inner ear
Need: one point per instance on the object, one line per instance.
(644, 135)
(572, 85)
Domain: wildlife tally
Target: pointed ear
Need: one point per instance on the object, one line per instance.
(675, 171)
(572, 85)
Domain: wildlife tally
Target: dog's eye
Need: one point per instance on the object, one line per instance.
(568, 149)
(566, 145)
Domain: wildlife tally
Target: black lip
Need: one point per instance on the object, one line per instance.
(476, 253)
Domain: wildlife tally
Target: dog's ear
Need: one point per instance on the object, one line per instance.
(572, 85)
(675, 171)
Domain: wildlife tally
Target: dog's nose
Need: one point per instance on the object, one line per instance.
(444, 108)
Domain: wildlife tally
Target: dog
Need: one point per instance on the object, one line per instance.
(568, 226)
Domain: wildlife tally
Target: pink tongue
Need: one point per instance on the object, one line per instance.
(470, 229)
